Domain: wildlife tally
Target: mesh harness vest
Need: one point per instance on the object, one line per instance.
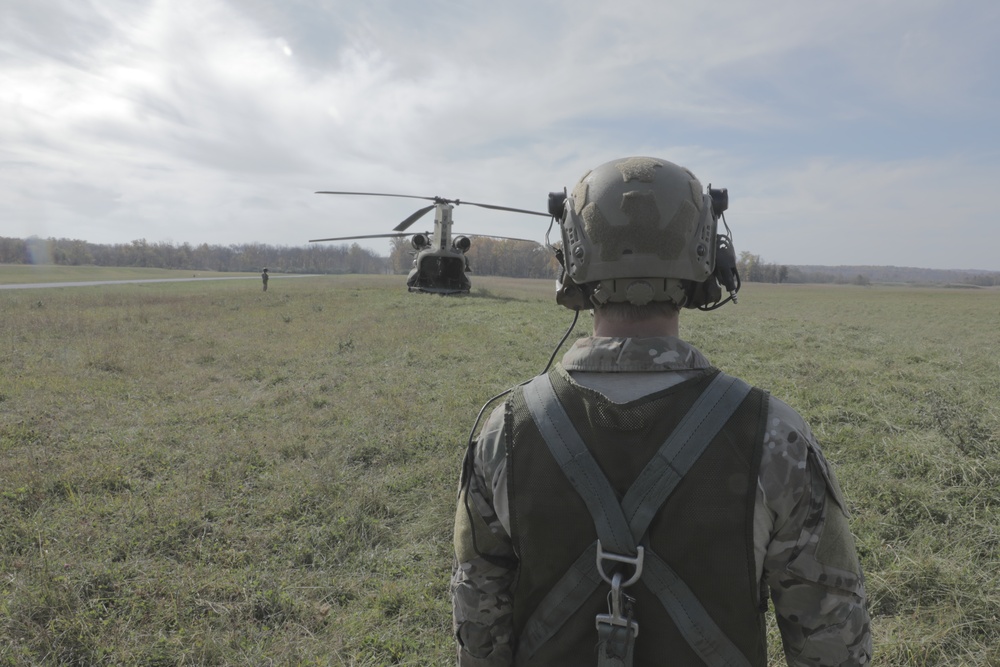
(650, 522)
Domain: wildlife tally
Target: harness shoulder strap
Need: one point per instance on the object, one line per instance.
(621, 525)
(681, 450)
(579, 466)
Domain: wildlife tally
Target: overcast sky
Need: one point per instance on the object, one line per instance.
(847, 131)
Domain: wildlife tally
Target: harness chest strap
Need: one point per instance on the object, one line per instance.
(620, 526)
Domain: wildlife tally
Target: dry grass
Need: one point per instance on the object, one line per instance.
(14, 274)
(202, 473)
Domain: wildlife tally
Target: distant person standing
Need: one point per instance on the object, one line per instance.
(263, 277)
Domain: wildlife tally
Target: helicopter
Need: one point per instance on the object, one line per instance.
(439, 263)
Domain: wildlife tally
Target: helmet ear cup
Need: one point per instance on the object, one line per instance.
(720, 200)
(702, 294)
(568, 293)
(573, 296)
(725, 264)
(707, 295)
(557, 204)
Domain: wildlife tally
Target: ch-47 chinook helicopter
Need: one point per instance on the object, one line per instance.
(439, 264)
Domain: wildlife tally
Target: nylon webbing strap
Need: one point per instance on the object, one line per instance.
(681, 450)
(673, 459)
(698, 628)
(579, 466)
(567, 596)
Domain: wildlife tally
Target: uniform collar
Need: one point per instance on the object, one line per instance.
(625, 355)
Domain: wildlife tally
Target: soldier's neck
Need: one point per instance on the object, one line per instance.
(646, 328)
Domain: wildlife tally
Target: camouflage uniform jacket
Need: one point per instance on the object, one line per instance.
(804, 550)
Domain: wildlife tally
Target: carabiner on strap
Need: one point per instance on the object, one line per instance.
(616, 631)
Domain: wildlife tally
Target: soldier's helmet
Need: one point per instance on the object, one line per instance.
(637, 230)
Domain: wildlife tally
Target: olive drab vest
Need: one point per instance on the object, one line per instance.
(633, 524)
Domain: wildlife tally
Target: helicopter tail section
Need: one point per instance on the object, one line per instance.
(440, 274)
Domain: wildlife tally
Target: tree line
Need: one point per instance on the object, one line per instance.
(487, 256)
(753, 269)
(204, 257)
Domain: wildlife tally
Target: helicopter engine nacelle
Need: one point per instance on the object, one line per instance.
(462, 244)
(420, 241)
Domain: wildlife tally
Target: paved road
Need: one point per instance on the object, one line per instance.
(91, 283)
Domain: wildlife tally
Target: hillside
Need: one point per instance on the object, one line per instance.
(899, 274)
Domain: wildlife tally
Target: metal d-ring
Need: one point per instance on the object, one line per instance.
(634, 561)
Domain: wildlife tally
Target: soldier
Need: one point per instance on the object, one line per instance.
(635, 486)
(263, 278)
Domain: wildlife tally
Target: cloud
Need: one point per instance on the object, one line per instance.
(871, 212)
(215, 121)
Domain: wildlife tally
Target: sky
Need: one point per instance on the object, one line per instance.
(857, 132)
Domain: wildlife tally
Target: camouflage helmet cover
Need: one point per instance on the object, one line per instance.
(634, 228)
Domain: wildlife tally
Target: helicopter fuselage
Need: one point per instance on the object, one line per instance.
(440, 265)
(439, 272)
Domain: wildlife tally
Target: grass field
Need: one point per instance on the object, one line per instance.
(13, 274)
(205, 474)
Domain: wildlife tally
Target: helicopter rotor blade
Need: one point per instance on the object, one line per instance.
(375, 194)
(503, 208)
(439, 200)
(397, 235)
(491, 236)
(366, 236)
(413, 218)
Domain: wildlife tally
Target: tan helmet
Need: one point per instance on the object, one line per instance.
(637, 230)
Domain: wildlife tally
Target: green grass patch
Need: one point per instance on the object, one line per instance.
(19, 274)
(203, 473)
